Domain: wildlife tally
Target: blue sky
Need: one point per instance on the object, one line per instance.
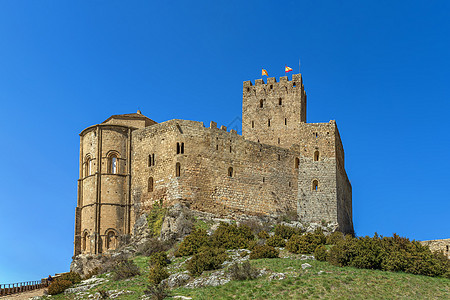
(380, 68)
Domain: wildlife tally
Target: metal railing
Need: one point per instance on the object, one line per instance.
(19, 287)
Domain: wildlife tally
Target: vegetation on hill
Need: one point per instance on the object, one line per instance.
(346, 267)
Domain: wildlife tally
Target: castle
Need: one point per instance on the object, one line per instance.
(280, 164)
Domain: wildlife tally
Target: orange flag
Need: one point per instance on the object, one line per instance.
(264, 72)
(287, 69)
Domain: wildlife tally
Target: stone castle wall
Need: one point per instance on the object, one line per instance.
(263, 178)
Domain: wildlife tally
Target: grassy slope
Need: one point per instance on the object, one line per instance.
(335, 283)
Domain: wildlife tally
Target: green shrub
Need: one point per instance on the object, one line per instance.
(207, 258)
(153, 245)
(71, 276)
(389, 254)
(58, 286)
(125, 269)
(263, 235)
(159, 258)
(264, 251)
(333, 238)
(320, 253)
(306, 243)
(231, 236)
(276, 241)
(285, 231)
(157, 292)
(243, 271)
(157, 274)
(155, 218)
(193, 242)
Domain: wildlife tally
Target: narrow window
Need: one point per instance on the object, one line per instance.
(149, 160)
(150, 184)
(182, 148)
(290, 184)
(153, 159)
(230, 172)
(316, 156)
(280, 101)
(88, 166)
(261, 103)
(279, 156)
(264, 179)
(297, 162)
(177, 169)
(285, 121)
(294, 84)
(278, 140)
(178, 148)
(248, 89)
(111, 240)
(268, 122)
(230, 149)
(217, 147)
(315, 185)
(253, 124)
(113, 164)
(84, 242)
(271, 86)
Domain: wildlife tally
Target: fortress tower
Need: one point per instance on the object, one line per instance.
(279, 165)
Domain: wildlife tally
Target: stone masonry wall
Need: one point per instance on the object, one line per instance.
(262, 182)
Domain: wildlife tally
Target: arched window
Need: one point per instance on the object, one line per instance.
(113, 163)
(84, 241)
(180, 148)
(88, 166)
(111, 240)
(150, 184)
(315, 185)
(316, 156)
(230, 172)
(297, 162)
(177, 169)
(261, 103)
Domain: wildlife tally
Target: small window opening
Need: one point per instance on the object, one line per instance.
(84, 242)
(230, 149)
(178, 148)
(253, 124)
(150, 185)
(285, 121)
(280, 101)
(217, 147)
(261, 104)
(177, 169)
(316, 156)
(153, 158)
(290, 184)
(268, 122)
(315, 185)
(230, 172)
(279, 156)
(271, 86)
(278, 140)
(297, 162)
(264, 179)
(248, 89)
(293, 83)
(182, 148)
(113, 164)
(149, 160)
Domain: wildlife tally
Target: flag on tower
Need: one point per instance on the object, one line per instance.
(264, 72)
(287, 69)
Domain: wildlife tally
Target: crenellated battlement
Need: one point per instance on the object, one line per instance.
(272, 82)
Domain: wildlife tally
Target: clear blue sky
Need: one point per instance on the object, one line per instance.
(380, 68)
